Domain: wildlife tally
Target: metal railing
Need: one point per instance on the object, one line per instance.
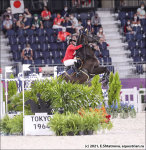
(48, 70)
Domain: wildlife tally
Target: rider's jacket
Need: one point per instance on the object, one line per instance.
(70, 52)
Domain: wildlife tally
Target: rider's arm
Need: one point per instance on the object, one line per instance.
(77, 47)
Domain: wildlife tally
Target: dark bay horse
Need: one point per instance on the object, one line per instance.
(90, 64)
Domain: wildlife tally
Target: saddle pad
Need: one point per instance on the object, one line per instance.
(70, 71)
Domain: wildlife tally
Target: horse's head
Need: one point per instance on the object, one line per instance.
(82, 38)
(86, 51)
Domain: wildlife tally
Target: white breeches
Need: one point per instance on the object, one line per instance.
(57, 26)
(69, 62)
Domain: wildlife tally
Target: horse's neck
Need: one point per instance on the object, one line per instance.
(79, 40)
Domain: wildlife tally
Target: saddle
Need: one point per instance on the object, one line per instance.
(71, 70)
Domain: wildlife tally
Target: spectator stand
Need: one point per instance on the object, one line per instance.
(46, 49)
(136, 41)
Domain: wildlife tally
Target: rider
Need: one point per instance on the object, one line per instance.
(69, 58)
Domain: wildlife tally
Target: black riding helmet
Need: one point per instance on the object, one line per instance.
(72, 40)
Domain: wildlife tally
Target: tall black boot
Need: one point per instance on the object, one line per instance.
(76, 69)
(67, 68)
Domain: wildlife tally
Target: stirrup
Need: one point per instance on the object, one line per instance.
(77, 73)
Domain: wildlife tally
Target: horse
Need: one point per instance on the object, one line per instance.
(90, 65)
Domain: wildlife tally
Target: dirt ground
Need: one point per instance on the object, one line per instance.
(127, 134)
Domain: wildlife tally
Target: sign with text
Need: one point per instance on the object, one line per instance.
(37, 124)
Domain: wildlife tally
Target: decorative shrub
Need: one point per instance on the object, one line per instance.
(61, 94)
(12, 87)
(114, 89)
(4, 124)
(97, 87)
(12, 125)
(125, 110)
(85, 121)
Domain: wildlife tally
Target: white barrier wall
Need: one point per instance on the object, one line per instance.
(142, 100)
(37, 124)
(134, 97)
(130, 96)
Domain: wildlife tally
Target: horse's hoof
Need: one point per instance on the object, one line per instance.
(100, 80)
(105, 83)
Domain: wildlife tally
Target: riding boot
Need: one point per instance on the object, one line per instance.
(76, 69)
(67, 68)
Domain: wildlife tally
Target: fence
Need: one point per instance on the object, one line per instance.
(132, 96)
(135, 97)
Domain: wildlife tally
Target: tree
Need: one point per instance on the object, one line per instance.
(111, 78)
(114, 89)
(12, 87)
(118, 87)
(97, 87)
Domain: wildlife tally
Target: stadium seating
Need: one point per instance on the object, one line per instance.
(136, 41)
(46, 48)
(139, 69)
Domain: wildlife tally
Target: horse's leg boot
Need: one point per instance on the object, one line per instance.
(106, 75)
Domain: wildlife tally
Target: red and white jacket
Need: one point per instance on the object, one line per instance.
(70, 52)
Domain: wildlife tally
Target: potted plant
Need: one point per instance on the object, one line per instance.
(56, 123)
(81, 127)
(69, 125)
(124, 113)
(13, 126)
(140, 89)
(79, 123)
(4, 125)
(16, 125)
(114, 110)
(89, 123)
(132, 111)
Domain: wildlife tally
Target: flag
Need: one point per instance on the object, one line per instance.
(26, 67)
(8, 69)
(17, 6)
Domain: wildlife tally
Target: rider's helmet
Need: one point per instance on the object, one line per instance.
(73, 38)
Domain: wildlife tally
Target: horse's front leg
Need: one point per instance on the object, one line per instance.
(100, 70)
